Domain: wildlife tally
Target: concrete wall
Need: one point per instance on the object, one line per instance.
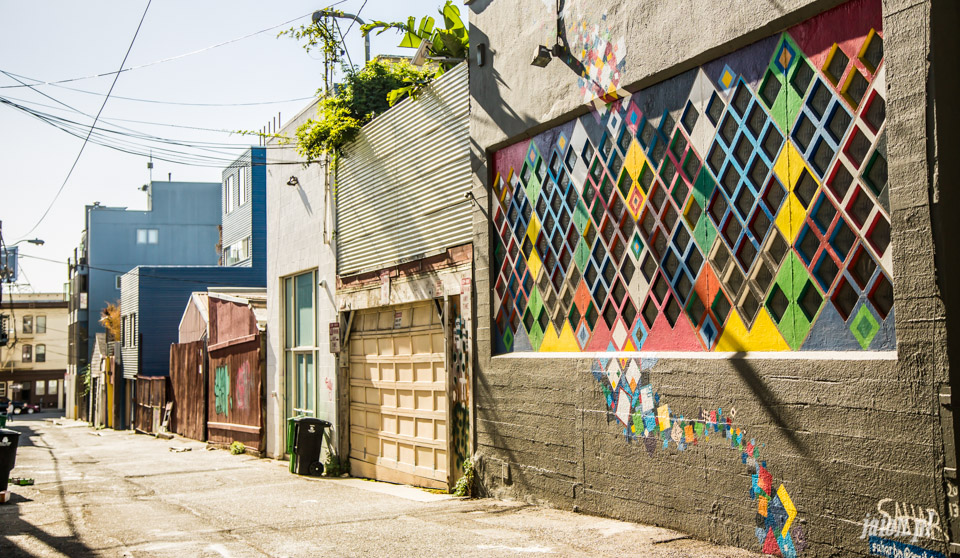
(770, 448)
(299, 239)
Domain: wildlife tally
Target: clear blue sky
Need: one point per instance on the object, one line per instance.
(52, 41)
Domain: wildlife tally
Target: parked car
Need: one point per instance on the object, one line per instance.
(19, 407)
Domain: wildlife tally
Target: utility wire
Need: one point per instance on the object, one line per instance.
(33, 112)
(153, 276)
(171, 58)
(104, 104)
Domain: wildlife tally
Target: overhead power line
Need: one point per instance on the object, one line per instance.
(169, 59)
(150, 275)
(84, 144)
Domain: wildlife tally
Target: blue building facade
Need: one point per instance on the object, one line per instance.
(179, 226)
(153, 296)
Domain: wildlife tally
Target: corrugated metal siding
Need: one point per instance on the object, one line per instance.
(129, 303)
(401, 183)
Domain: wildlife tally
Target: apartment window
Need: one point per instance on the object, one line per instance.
(117, 281)
(53, 387)
(135, 330)
(27, 324)
(41, 324)
(26, 354)
(41, 353)
(299, 341)
(41, 387)
(242, 184)
(147, 236)
(230, 194)
(123, 331)
(237, 252)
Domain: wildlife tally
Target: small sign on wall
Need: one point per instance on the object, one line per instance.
(334, 337)
(397, 319)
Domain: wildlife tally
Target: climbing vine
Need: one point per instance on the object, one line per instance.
(374, 88)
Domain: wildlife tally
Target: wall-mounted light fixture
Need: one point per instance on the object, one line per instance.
(293, 181)
(542, 54)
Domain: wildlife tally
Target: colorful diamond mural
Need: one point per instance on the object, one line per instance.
(740, 206)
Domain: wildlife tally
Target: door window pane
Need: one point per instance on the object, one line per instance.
(304, 301)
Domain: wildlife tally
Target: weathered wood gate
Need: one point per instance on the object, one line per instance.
(188, 376)
(150, 403)
(235, 398)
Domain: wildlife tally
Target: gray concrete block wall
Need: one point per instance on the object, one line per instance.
(842, 435)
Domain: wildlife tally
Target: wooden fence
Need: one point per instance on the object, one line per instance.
(152, 398)
(236, 395)
(188, 375)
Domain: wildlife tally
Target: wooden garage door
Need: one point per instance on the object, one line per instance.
(398, 405)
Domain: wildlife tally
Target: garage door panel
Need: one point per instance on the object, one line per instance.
(403, 345)
(423, 372)
(405, 372)
(398, 395)
(405, 399)
(425, 400)
(388, 424)
(425, 429)
(422, 344)
(373, 421)
(388, 398)
(407, 426)
(423, 315)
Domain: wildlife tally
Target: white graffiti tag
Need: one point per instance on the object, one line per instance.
(903, 520)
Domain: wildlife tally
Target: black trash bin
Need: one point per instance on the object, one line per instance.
(307, 443)
(9, 440)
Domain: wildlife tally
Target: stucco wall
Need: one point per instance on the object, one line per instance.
(299, 239)
(842, 437)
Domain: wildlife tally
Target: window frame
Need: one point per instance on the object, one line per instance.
(26, 324)
(295, 377)
(117, 281)
(40, 324)
(230, 195)
(40, 387)
(26, 353)
(40, 353)
(53, 387)
(241, 186)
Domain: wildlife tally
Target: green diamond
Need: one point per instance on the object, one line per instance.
(508, 339)
(864, 327)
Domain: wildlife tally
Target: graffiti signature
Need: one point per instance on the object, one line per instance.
(221, 391)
